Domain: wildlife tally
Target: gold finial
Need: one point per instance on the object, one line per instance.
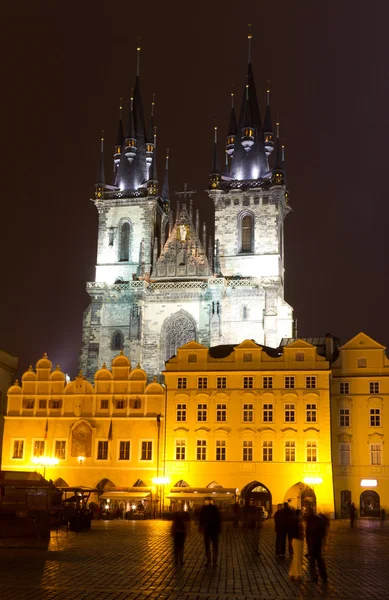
(138, 366)
(155, 378)
(102, 135)
(80, 373)
(57, 368)
(268, 92)
(120, 107)
(152, 105)
(132, 99)
(45, 355)
(16, 382)
(249, 37)
(30, 368)
(138, 49)
(247, 91)
(215, 130)
(104, 365)
(249, 34)
(278, 127)
(232, 99)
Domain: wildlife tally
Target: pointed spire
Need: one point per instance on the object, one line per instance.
(215, 164)
(153, 180)
(278, 177)
(210, 253)
(150, 132)
(138, 50)
(283, 162)
(204, 237)
(165, 186)
(101, 172)
(249, 37)
(268, 137)
(232, 129)
(119, 138)
(197, 222)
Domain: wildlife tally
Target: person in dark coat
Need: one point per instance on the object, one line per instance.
(210, 527)
(278, 529)
(283, 520)
(178, 532)
(353, 514)
(315, 532)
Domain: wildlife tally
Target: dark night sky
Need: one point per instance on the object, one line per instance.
(64, 68)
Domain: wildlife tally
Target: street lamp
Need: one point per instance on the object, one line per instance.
(81, 459)
(160, 482)
(45, 461)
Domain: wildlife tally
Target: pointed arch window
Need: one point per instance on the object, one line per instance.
(117, 341)
(246, 233)
(125, 242)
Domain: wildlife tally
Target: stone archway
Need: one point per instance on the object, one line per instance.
(301, 495)
(369, 504)
(258, 494)
(177, 330)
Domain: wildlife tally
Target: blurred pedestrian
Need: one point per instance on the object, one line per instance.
(353, 514)
(178, 531)
(383, 516)
(210, 527)
(315, 532)
(278, 529)
(235, 517)
(297, 535)
(283, 519)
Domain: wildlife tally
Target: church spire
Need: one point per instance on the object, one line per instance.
(215, 176)
(230, 146)
(152, 184)
(268, 137)
(165, 186)
(278, 177)
(131, 148)
(100, 179)
(119, 137)
(150, 135)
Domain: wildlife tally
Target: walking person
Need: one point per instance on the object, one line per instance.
(353, 514)
(315, 532)
(210, 527)
(297, 535)
(178, 531)
(278, 529)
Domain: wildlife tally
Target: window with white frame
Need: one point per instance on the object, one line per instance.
(248, 413)
(221, 449)
(267, 413)
(60, 449)
(345, 455)
(344, 387)
(290, 413)
(247, 451)
(375, 417)
(202, 383)
(202, 412)
(311, 412)
(181, 412)
(344, 417)
(267, 382)
(181, 383)
(18, 449)
(146, 452)
(201, 450)
(248, 382)
(102, 450)
(180, 449)
(311, 452)
(38, 448)
(374, 387)
(267, 451)
(310, 382)
(375, 454)
(221, 412)
(290, 451)
(289, 382)
(104, 404)
(221, 383)
(124, 449)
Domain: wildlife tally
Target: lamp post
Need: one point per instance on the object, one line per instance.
(45, 461)
(160, 482)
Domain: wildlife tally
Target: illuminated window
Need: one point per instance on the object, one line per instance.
(221, 412)
(362, 363)
(344, 417)
(103, 404)
(18, 449)
(299, 356)
(345, 455)
(146, 450)
(248, 413)
(267, 413)
(290, 451)
(181, 412)
(247, 233)
(375, 454)
(102, 450)
(311, 413)
(202, 412)
(289, 382)
(248, 382)
(38, 448)
(220, 450)
(374, 387)
(311, 452)
(125, 242)
(201, 450)
(344, 387)
(124, 450)
(375, 417)
(247, 357)
(221, 383)
(267, 383)
(202, 383)
(247, 451)
(267, 451)
(60, 449)
(310, 382)
(180, 449)
(290, 413)
(181, 383)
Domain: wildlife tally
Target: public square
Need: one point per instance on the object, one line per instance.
(132, 560)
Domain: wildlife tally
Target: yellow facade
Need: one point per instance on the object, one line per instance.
(227, 416)
(359, 390)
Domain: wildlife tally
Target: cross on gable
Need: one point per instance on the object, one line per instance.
(186, 193)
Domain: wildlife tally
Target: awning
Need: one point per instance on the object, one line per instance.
(124, 495)
(229, 497)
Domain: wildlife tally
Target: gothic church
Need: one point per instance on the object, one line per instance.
(159, 281)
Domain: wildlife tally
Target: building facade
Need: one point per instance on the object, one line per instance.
(160, 281)
(8, 365)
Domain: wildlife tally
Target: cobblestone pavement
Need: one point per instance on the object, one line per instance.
(132, 560)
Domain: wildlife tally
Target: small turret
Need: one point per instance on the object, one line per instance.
(152, 184)
(231, 137)
(150, 136)
(247, 134)
(215, 176)
(100, 180)
(131, 147)
(120, 137)
(268, 137)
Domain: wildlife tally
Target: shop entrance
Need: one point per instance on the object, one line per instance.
(369, 504)
(301, 496)
(257, 494)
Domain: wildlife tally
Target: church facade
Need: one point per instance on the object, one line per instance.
(160, 281)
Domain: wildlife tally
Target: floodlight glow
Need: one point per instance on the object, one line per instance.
(161, 480)
(369, 483)
(45, 460)
(313, 480)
